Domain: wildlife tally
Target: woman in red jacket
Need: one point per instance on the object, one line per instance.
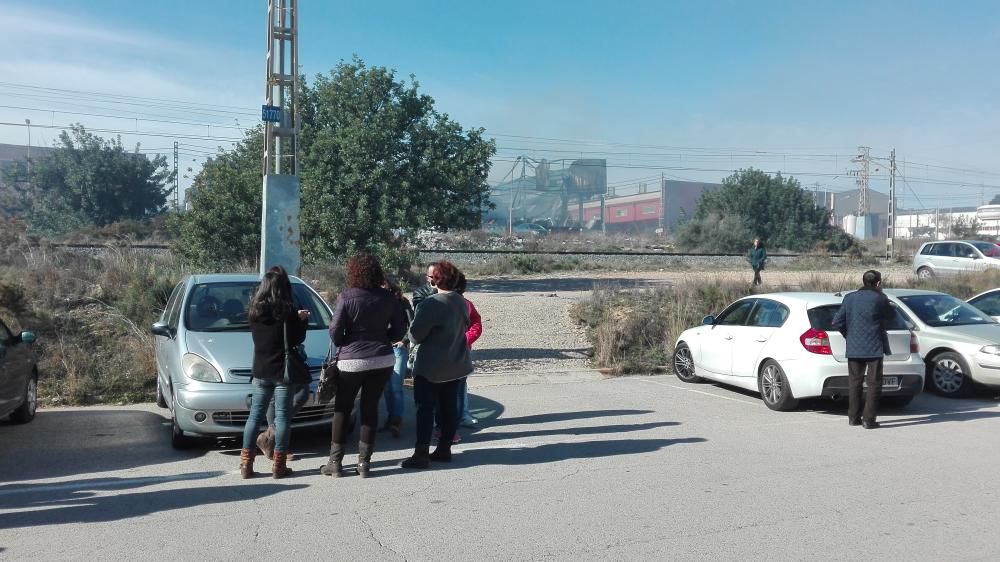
(475, 330)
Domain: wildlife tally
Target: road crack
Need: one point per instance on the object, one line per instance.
(371, 533)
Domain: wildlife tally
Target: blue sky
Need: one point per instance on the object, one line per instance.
(697, 87)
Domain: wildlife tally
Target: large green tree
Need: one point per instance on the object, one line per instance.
(773, 208)
(222, 227)
(90, 181)
(377, 163)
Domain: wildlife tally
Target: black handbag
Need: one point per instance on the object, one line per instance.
(296, 367)
(328, 380)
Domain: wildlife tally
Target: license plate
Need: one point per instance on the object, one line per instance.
(887, 382)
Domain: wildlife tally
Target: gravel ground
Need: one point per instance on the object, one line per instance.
(526, 323)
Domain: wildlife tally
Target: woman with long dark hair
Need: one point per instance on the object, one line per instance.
(439, 327)
(274, 324)
(366, 322)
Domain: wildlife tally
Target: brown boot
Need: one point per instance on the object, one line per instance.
(265, 442)
(246, 462)
(278, 468)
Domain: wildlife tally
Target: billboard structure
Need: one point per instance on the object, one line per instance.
(545, 198)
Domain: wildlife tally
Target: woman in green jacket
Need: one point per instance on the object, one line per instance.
(757, 258)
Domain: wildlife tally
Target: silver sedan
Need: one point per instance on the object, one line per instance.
(959, 343)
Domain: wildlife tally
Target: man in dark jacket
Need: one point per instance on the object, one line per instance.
(862, 319)
(425, 290)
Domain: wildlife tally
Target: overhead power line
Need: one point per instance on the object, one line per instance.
(164, 134)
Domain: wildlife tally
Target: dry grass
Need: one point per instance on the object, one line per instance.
(91, 316)
(92, 313)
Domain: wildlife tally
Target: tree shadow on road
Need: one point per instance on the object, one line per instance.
(527, 353)
(546, 453)
(590, 430)
(925, 408)
(566, 416)
(127, 506)
(67, 442)
(553, 284)
(13, 496)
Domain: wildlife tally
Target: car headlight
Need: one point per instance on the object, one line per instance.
(991, 349)
(197, 369)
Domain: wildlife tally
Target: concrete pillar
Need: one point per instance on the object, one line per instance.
(279, 233)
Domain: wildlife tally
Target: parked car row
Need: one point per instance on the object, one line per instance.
(782, 346)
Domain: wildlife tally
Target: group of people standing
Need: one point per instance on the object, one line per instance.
(375, 330)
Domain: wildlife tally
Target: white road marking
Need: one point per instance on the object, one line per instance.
(693, 390)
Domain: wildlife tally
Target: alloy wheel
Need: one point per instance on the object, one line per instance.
(948, 375)
(683, 363)
(772, 385)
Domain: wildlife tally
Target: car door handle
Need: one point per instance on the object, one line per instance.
(761, 340)
(728, 336)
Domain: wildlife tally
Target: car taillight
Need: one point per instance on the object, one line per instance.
(914, 346)
(816, 341)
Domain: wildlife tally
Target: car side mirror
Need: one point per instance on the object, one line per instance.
(708, 320)
(27, 337)
(162, 329)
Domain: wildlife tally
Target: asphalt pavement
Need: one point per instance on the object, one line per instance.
(560, 467)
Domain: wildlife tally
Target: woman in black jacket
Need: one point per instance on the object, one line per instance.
(273, 320)
(366, 322)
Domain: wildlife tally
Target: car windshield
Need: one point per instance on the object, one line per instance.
(944, 310)
(988, 249)
(222, 307)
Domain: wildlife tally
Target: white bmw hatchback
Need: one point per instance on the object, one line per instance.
(782, 345)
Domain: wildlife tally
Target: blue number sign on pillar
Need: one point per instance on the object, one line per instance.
(270, 113)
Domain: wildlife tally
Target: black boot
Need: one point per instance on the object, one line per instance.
(366, 446)
(442, 453)
(420, 458)
(335, 465)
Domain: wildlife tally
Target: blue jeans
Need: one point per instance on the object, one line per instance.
(263, 391)
(394, 390)
(299, 399)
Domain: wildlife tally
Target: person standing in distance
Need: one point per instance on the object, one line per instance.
(862, 319)
(757, 257)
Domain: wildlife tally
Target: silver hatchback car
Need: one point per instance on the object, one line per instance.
(959, 343)
(952, 257)
(204, 354)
